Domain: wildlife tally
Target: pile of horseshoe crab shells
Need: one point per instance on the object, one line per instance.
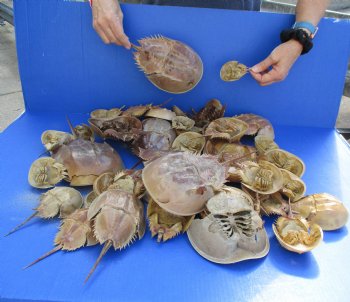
(198, 177)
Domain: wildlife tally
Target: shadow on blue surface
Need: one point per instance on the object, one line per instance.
(334, 236)
(304, 265)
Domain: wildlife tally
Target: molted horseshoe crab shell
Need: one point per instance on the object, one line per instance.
(53, 139)
(293, 187)
(323, 209)
(189, 141)
(285, 160)
(170, 65)
(232, 71)
(104, 114)
(257, 125)
(232, 231)
(226, 128)
(264, 144)
(85, 161)
(296, 235)
(262, 177)
(182, 182)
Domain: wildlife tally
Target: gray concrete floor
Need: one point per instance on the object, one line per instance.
(11, 98)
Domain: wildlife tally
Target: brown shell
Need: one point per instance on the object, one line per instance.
(257, 125)
(226, 128)
(169, 64)
(125, 128)
(212, 110)
(85, 161)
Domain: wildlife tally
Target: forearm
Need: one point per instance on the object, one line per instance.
(311, 10)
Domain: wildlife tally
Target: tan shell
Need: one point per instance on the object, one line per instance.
(182, 123)
(62, 200)
(293, 187)
(166, 225)
(285, 160)
(189, 141)
(103, 182)
(85, 161)
(53, 139)
(178, 111)
(89, 198)
(226, 128)
(264, 144)
(83, 131)
(231, 232)
(230, 152)
(262, 177)
(161, 113)
(137, 111)
(104, 114)
(323, 209)
(232, 71)
(181, 182)
(45, 172)
(169, 64)
(296, 235)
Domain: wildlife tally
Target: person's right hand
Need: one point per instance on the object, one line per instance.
(108, 22)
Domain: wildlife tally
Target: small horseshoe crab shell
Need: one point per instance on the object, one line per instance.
(232, 231)
(262, 177)
(170, 65)
(125, 128)
(293, 187)
(296, 235)
(323, 209)
(182, 182)
(226, 128)
(212, 110)
(232, 71)
(285, 160)
(53, 139)
(257, 125)
(104, 114)
(189, 141)
(264, 144)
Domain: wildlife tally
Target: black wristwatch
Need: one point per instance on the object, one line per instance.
(299, 35)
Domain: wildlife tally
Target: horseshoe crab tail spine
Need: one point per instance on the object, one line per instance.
(71, 127)
(54, 250)
(23, 223)
(106, 247)
(135, 46)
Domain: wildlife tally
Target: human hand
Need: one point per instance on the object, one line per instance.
(276, 66)
(108, 22)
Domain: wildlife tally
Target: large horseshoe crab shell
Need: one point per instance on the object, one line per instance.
(170, 65)
(232, 231)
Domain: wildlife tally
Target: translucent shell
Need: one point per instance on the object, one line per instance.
(189, 141)
(232, 71)
(257, 125)
(231, 232)
(262, 177)
(85, 161)
(293, 187)
(181, 182)
(169, 64)
(165, 225)
(45, 172)
(226, 128)
(296, 235)
(285, 160)
(323, 209)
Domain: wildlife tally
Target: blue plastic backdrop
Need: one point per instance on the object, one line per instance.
(65, 68)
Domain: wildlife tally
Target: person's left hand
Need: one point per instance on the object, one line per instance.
(276, 66)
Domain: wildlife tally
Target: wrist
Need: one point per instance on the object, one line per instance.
(299, 36)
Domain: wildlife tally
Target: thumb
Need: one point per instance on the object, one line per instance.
(262, 66)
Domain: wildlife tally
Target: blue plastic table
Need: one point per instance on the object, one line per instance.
(66, 69)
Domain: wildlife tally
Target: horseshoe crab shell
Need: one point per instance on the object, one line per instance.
(170, 65)
(285, 160)
(296, 235)
(226, 128)
(182, 182)
(232, 231)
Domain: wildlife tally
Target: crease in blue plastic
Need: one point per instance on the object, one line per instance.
(66, 69)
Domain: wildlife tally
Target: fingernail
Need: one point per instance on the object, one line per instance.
(254, 69)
